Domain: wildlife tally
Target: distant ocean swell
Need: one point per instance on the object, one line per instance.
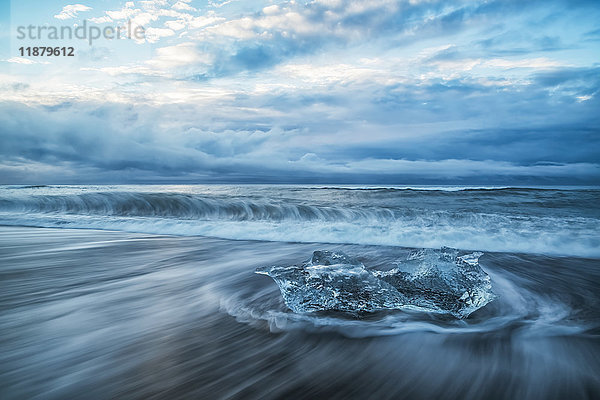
(510, 220)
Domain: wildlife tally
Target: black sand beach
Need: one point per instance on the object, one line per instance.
(100, 314)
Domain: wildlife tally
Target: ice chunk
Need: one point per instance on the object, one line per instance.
(431, 280)
(442, 280)
(332, 281)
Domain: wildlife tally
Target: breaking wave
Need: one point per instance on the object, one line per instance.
(505, 219)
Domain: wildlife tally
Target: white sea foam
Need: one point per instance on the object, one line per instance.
(509, 220)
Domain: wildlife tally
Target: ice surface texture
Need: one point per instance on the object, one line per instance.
(442, 281)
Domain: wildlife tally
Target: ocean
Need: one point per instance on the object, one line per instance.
(150, 291)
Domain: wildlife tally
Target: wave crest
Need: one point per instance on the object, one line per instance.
(525, 223)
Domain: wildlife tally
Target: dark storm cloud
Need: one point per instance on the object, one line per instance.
(513, 123)
(527, 133)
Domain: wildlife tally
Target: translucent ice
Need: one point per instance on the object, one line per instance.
(332, 281)
(443, 281)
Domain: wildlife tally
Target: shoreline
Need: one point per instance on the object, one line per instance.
(383, 246)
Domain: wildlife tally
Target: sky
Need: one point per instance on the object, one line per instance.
(321, 91)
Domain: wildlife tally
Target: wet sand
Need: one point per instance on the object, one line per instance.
(99, 314)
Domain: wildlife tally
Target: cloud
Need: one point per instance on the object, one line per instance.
(71, 11)
(183, 6)
(152, 35)
(101, 20)
(181, 54)
(124, 13)
(219, 4)
(589, 77)
(333, 90)
(337, 134)
(281, 32)
(20, 60)
(24, 60)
